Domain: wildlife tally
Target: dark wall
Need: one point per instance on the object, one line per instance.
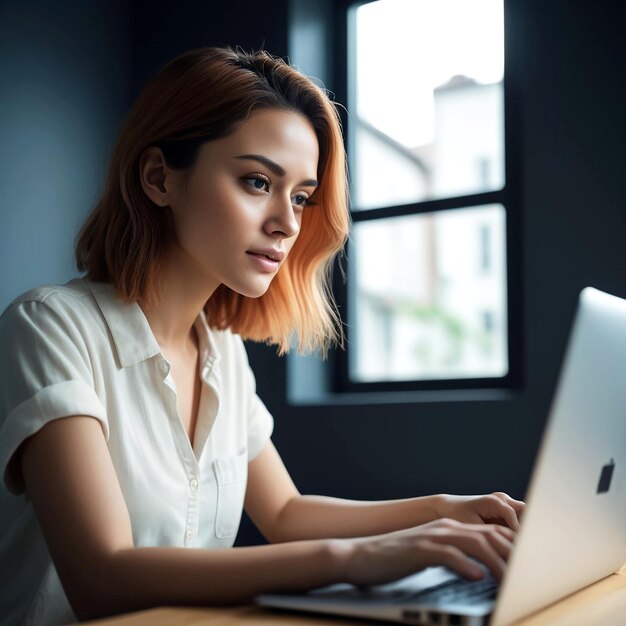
(163, 30)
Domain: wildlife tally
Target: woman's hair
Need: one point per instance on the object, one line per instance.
(200, 96)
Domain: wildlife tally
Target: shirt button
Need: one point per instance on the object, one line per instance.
(193, 484)
(189, 533)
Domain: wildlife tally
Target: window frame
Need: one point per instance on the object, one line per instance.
(508, 197)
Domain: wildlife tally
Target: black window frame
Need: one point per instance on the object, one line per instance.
(509, 197)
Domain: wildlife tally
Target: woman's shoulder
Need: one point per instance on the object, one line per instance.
(69, 305)
(70, 293)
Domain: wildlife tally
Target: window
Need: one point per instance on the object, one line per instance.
(428, 302)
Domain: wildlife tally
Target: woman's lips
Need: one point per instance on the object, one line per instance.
(264, 262)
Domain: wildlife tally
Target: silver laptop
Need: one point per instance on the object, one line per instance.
(573, 531)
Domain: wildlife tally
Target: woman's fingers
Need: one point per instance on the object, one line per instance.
(490, 544)
(453, 558)
(501, 540)
(494, 508)
(517, 505)
(505, 511)
(457, 545)
(506, 532)
(497, 508)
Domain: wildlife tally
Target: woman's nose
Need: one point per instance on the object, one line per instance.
(282, 220)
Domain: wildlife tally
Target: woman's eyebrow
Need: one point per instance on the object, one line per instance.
(272, 165)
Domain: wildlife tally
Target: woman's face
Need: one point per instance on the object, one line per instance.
(237, 211)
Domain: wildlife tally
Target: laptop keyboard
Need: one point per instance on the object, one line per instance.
(457, 590)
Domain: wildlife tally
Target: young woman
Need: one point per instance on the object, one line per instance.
(131, 434)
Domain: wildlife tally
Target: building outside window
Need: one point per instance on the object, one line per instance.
(427, 293)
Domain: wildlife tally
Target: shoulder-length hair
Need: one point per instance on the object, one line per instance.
(200, 96)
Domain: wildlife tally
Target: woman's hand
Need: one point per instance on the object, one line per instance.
(495, 508)
(384, 558)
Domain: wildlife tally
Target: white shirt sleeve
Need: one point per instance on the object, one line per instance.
(45, 374)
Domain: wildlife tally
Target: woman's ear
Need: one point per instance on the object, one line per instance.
(154, 173)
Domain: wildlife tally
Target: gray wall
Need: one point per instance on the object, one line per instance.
(64, 80)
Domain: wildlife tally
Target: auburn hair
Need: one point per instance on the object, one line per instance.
(200, 96)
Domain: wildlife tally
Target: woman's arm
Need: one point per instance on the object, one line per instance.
(282, 514)
(71, 480)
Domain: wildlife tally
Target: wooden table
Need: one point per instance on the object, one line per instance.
(601, 604)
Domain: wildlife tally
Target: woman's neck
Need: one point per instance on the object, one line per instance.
(183, 294)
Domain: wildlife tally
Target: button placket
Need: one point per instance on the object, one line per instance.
(193, 483)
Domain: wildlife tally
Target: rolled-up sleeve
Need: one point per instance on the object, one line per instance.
(45, 374)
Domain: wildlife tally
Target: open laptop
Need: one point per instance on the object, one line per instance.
(573, 531)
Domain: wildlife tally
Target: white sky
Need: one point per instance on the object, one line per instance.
(405, 48)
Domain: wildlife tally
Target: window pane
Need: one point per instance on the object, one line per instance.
(429, 296)
(427, 108)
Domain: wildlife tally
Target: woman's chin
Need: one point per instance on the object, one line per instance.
(252, 291)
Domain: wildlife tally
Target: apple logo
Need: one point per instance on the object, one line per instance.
(605, 477)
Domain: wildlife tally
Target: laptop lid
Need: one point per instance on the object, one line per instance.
(574, 527)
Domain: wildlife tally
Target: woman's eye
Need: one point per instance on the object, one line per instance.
(300, 199)
(257, 182)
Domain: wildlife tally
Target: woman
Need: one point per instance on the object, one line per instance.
(131, 430)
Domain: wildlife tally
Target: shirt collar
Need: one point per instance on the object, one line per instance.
(209, 354)
(134, 340)
(132, 335)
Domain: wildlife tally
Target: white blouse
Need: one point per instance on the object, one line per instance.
(78, 350)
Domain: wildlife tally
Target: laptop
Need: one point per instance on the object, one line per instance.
(573, 530)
